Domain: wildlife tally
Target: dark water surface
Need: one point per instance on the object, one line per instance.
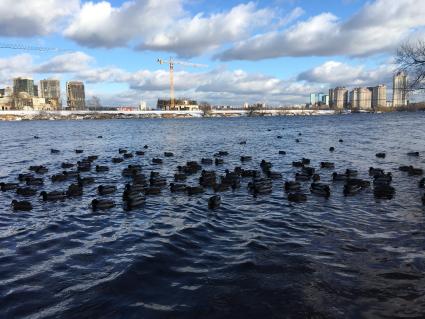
(345, 257)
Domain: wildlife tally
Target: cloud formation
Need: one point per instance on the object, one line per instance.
(378, 27)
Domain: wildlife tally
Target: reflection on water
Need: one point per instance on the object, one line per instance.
(255, 256)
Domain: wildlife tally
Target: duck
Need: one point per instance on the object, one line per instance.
(351, 172)
(260, 186)
(139, 179)
(265, 166)
(291, 186)
(305, 161)
(223, 153)
(78, 151)
(194, 190)
(24, 177)
(21, 205)
(99, 136)
(219, 161)
(106, 189)
(53, 196)
(131, 170)
(351, 189)
(39, 169)
(175, 187)
(245, 158)
(122, 151)
(273, 174)
(279, 137)
(221, 187)
(297, 140)
(26, 191)
(208, 179)
(178, 177)
(74, 190)
(422, 183)
(206, 161)
(101, 204)
(85, 180)
(134, 202)
(297, 164)
(341, 140)
(214, 202)
(156, 161)
(157, 181)
(100, 168)
(135, 188)
(92, 158)
(320, 189)
(67, 165)
(36, 137)
(327, 165)
(381, 155)
(140, 153)
(383, 180)
(316, 177)
(384, 191)
(249, 173)
(152, 190)
(302, 177)
(242, 143)
(117, 160)
(423, 199)
(331, 149)
(404, 168)
(71, 174)
(145, 147)
(415, 154)
(54, 151)
(168, 154)
(299, 134)
(34, 181)
(375, 171)
(308, 170)
(83, 166)
(59, 178)
(415, 171)
(297, 197)
(282, 153)
(8, 186)
(128, 155)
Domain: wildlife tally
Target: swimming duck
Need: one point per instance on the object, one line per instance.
(331, 149)
(221, 187)
(122, 151)
(59, 178)
(101, 168)
(249, 173)
(214, 202)
(26, 191)
(180, 177)
(297, 197)
(305, 161)
(291, 186)
(339, 177)
(139, 179)
(175, 188)
(341, 140)
(302, 177)
(168, 154)
(384, 191)
(156, 161)
(39, 169)
(404, 168)
(128, 155)
(54, 151)
(316, 177)
(24, 177)
(67, 165)
(223, 153)
(415, 154)
(208, 179)
(299, 134)
(106, 189)
(74, 190)
(52, 196)
(145, 147)
(260, 185)
(380, 155)
(8, 186)
(327, 165)
(422, 183)
(79, 151)
(415, 171)
(158, 181)
(265, 166)
(242, 143)
(131, 170)
(117, 160)
(297, 164)
(351, 172)
(85, 180)
(351, 189)
(282, 153)
(100, 136)
(297, 140)
(34, 181)
(375, 171)
(134, 202)
(320, 189)
(273, 174)
(100, 204)
(279, 136)
(36, 137)
(152, 190)
(219, 161)
(92, 158)
(384, 179)
(135, 188)
(246, 158)
(423, 199)
(308, 170)
(83, 166)
(194, 190)
(206, 161)
(140, 153)
(21, 205)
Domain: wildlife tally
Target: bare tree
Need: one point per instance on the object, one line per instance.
(411, 59)
(94, 102)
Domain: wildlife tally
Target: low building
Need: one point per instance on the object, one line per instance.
(180, 105)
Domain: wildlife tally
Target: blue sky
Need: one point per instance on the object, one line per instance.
(275, 51)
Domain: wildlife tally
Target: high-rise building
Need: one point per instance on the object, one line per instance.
(325, 99)
(35, 90)
(23, 85)
(50, 89)
(76, 97)
(313, 99)
(340, 98)
(361, 99)
(400, 89)
(331, 98)
(379, 96)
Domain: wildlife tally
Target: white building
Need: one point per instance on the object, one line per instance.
(400, 89)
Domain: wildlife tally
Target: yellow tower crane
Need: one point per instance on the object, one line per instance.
(171, 64)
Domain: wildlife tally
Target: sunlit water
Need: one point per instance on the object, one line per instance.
(263, 257)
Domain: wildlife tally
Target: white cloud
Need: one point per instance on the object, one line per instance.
(18, 65)
(378, 27)
(65, 63)
(336, 73)
(30, 18)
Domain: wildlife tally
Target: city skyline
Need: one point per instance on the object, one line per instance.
(117, 60)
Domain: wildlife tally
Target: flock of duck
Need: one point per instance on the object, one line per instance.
(139, 185)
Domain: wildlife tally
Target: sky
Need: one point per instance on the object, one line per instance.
(272, 51)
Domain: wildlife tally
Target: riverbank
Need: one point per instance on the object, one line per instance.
(109, 115)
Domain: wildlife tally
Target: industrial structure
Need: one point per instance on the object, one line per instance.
(171, 63)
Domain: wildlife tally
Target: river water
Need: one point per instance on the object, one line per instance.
(342, 257)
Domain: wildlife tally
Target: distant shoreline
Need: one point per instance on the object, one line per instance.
(111, 115)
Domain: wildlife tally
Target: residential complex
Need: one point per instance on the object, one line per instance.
(76, 96)
(400, 89)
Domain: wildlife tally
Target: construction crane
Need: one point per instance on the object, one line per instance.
(171, 64)
(30, 48)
